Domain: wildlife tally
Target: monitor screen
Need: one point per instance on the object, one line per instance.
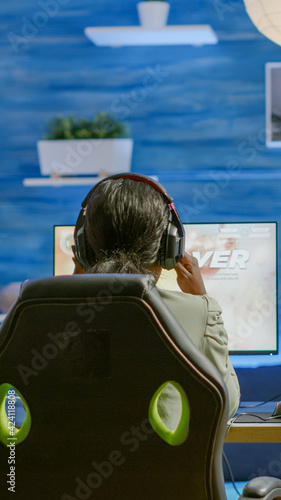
(63, 240)
(238, 262)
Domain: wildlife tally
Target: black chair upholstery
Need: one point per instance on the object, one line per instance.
(87, 353)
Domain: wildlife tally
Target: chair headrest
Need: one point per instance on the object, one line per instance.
(85, 285)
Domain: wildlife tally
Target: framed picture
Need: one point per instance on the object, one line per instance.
(273, 104)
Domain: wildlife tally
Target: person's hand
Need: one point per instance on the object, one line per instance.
(189, 277)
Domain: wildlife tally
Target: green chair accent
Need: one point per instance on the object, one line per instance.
(7, 430)
(177, 436)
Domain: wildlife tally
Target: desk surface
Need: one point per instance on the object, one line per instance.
(254, 431)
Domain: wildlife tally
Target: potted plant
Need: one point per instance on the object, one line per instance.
(79, 146)
(153, 14)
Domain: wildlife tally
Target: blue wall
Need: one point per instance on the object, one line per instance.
(205, 118)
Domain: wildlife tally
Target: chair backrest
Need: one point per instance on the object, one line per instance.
(88, 353)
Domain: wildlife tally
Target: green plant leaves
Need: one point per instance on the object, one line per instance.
(102, 126)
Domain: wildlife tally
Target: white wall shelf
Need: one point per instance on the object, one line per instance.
(66, 181)
(137, 35)
(60, 181)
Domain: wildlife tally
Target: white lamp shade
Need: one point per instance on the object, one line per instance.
(266, 16)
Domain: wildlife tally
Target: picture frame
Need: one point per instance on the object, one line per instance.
(273, 104)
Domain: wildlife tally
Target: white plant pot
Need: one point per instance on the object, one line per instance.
(85, 156)
(153, 14)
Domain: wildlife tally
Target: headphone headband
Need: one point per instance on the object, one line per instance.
(134, 177)
(173, 240)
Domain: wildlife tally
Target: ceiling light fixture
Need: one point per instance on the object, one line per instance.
(266, 16)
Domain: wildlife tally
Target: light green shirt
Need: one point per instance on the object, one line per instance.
(200, 316)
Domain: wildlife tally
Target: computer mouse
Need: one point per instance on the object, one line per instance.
(277, 410)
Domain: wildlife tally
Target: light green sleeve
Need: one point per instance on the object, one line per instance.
(215, 347)
(201, 318)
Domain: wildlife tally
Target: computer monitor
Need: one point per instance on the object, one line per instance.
(63, 241)
(238, 262)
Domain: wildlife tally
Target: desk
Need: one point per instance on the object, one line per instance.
(255, 432)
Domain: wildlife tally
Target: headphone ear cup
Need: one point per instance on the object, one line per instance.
(172, 247)
(162, 250)
(82, 249)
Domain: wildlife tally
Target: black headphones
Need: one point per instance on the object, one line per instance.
(173, 240)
